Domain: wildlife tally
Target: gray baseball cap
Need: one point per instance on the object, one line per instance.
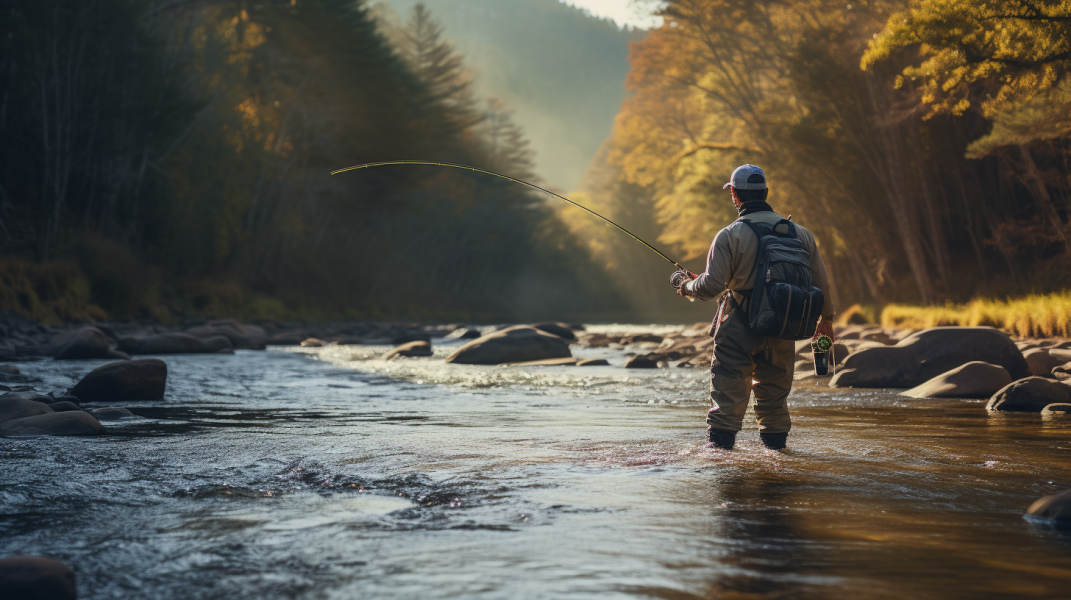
(747, 177)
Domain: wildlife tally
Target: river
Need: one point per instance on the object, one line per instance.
(326, 473)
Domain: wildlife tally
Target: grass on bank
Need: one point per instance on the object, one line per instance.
(1031, 316)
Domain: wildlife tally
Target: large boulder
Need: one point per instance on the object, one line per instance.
(87, 342)
(561, 330)
(1041, 361)
(142, 379)
(1056, 507)
(173, 343)
(73, 422)
(926, 354)
(15, 406)
(975, 379)
(36, 578)
(1029, 395)
(515, 344)
(641, 361)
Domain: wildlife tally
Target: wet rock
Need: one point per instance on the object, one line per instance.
(641, 361)
(641, 338)
(8, 351)
(36, 578)
(245, 337)
(975, 379)
(1029, 395)
(463, 333)
(313, 343)
(411, 349)
(290, 338)
(63, 406)
(411, 337)
(1041, 361)
(1063, 372)
(74, 422)
(1058, 409)
(32, 395)
(926, 354)
(87, 342)
(110, 413)
(9, 370)
(547, 362)
(559, 329)
(72, 399)
(14, 406)
(1056, 508)
(514, 344)
(171, 343)
(593, 362)
(142, 379)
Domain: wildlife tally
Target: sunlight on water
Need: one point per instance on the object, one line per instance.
(330, 473)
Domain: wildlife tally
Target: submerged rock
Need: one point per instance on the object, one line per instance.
(1061, 408)
(87, 342)
(143, 379)
(515, 344)
(172, 343)
(1029, 395)
(641, 361)
(110, 413)
(411, 349)
(15, 406)
(1056, 508)
(36, 578)
(547, 362)
(593, 362)
(975, 379)
(927, 354)
(74, 422)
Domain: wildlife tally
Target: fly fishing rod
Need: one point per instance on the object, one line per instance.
(522, 182)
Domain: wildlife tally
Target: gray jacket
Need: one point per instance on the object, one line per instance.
(731, 263)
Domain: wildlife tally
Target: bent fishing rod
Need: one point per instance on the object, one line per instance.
(522, 182)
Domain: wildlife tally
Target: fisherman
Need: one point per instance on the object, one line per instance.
(742, 356)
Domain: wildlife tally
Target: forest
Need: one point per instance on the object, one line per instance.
(170, 158)
(925, 142)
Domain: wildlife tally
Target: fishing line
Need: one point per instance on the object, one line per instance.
(514, 180)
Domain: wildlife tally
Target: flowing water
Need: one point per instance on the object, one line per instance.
(327, 473)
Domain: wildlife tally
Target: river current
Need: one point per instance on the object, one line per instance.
(327, 473)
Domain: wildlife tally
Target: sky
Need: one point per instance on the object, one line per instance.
(626, 12)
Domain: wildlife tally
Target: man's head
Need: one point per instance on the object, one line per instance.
(747, 184)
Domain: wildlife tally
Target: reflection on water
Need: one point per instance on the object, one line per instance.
(329, 474)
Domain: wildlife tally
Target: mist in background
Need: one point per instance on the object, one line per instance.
(559, 69)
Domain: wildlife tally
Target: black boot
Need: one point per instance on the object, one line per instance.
(722, 438)
(774, 441)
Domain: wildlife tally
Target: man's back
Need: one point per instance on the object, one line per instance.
(734, 252)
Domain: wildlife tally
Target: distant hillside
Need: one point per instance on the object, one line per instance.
(561, 69)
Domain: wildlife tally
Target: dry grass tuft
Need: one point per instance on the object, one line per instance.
(1031, 316)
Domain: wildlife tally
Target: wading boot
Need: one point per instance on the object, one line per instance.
(774, 441)
(722, 438)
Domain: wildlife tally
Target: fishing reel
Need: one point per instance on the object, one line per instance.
(679, 278)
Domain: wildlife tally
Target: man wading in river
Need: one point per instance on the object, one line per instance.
(759, 315)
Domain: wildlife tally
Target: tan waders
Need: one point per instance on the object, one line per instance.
(741, 355)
